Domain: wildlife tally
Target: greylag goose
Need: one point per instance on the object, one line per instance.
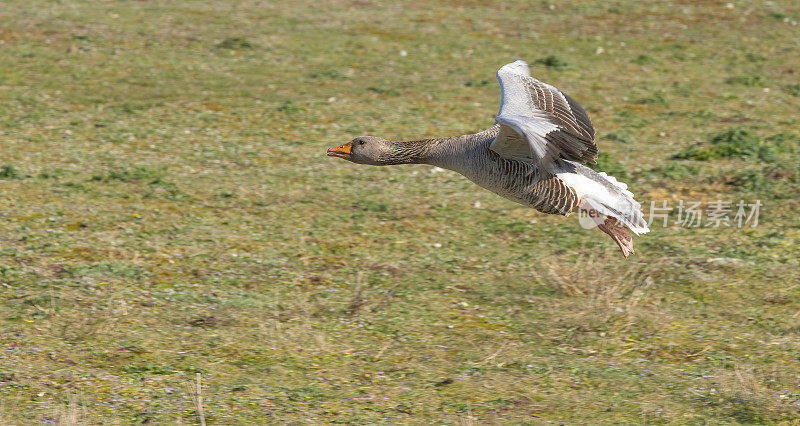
(532, 155)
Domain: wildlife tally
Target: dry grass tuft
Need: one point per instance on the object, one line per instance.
(467, 420)
(599, 276)
(196, 391)
(74, 414)
(753, 395)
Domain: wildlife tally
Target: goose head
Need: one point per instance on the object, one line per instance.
(366, 150)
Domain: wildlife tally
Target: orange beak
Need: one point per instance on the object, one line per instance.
(341, 151)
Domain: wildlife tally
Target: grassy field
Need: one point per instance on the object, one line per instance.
(167, 209)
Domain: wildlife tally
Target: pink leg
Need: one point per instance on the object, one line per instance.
(611, 226)
(619, 233)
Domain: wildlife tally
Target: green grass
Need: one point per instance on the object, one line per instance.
(168, 210)
(553, 62)
(733, 143)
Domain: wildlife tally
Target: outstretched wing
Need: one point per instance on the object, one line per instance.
(539, 122)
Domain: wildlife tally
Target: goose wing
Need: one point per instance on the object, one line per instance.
(539, 122)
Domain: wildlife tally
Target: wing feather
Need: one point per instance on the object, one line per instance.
(550, 123)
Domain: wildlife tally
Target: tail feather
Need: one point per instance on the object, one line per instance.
(621, 185)
(626, 211)
(607, 201)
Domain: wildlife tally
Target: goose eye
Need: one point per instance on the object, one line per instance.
(361, 142)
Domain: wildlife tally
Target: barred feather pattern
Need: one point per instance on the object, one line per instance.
(524, 183)
(410, 152)
(564, 111)
(553, 124)
(555, 190)
(518, 180)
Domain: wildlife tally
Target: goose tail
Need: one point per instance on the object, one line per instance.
(619, 204)
(617, 224)
(607, 204)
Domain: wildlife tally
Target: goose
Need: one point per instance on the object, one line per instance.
(533, 154)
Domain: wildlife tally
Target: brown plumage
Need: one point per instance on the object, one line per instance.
(531, 155)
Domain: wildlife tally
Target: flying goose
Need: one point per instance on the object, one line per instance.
(532, 155)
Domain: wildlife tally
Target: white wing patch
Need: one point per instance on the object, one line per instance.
(521, 137)
(621, 185)
(538, 122)
(517, 67)
(510, 144)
